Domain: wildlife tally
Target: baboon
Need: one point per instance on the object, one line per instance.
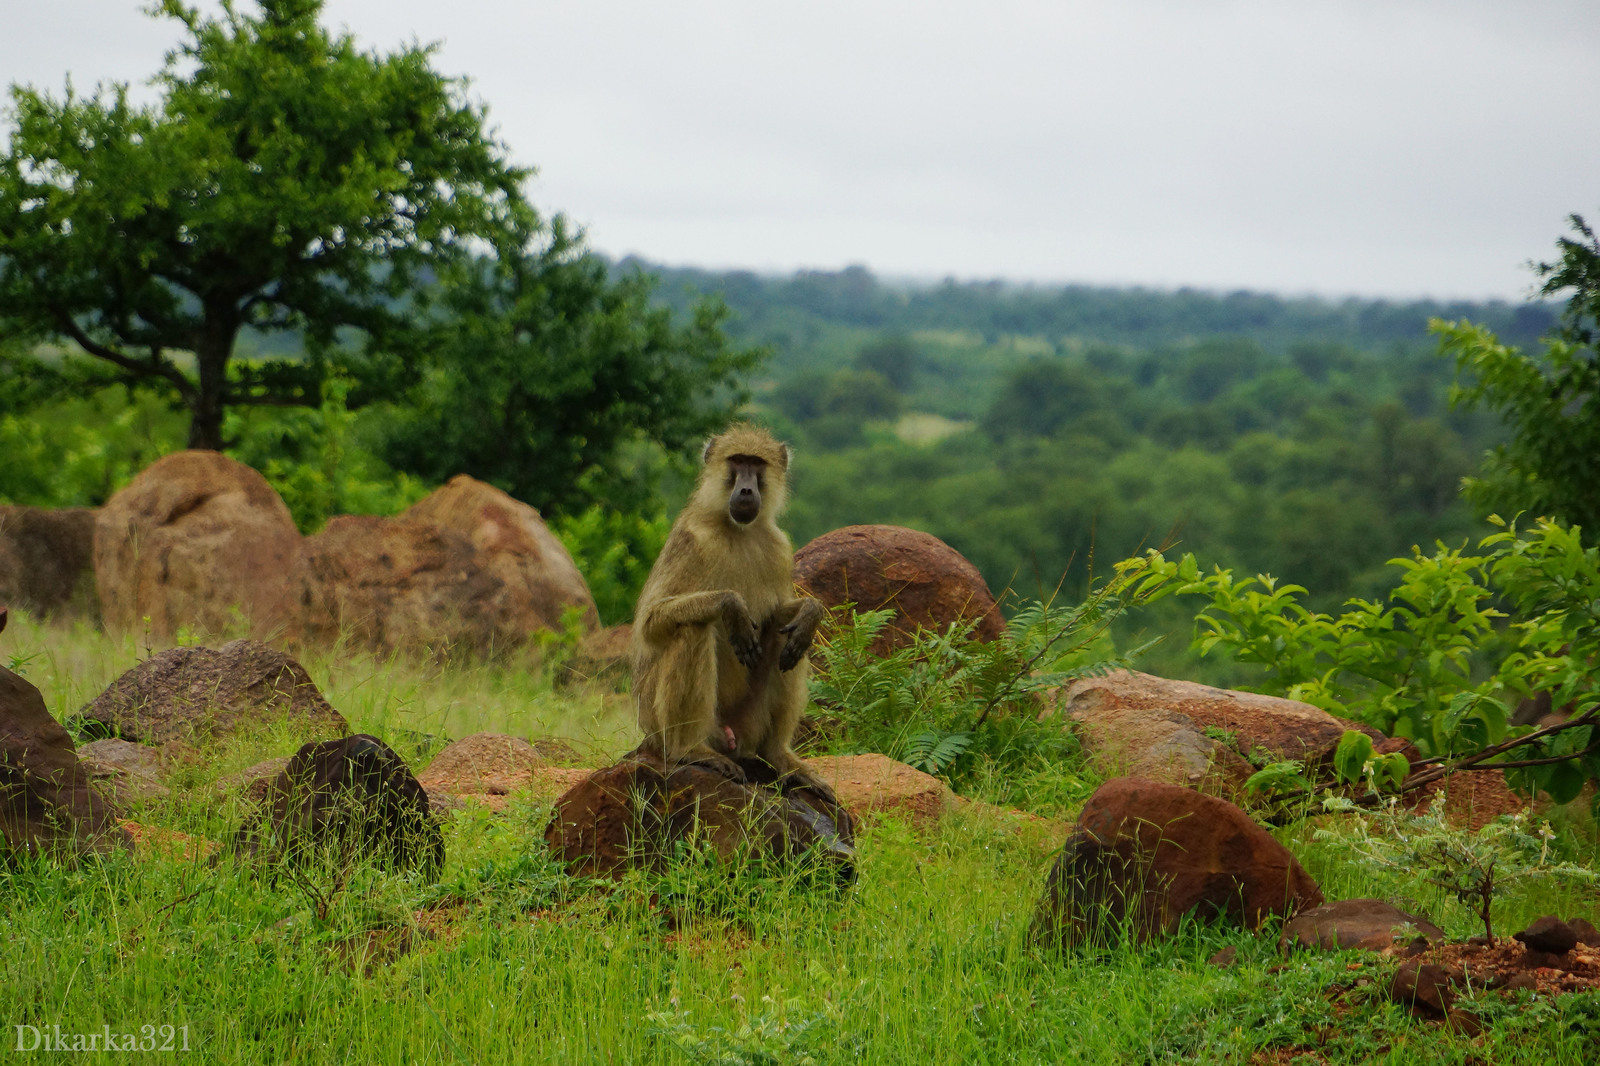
(719, 637)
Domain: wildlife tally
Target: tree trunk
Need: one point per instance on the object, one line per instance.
(207, 407)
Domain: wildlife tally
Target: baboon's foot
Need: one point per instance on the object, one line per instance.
(716, 762)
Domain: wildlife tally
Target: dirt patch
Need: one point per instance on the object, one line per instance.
(1509, 966)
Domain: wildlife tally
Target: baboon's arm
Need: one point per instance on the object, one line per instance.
(664, 617)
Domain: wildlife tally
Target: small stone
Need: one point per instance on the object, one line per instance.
(1228, 956)
(1422, 985)
(1587, 934)
(1513, 981)
(1465, 1022)
(1549, 934)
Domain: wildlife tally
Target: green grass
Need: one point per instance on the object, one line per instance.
(926, 959)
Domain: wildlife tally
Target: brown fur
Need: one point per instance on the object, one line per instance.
(720, 592)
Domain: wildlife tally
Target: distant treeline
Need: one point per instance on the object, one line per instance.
(1133, 316)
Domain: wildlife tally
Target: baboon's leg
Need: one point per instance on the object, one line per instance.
(787, 701)
(684, 701)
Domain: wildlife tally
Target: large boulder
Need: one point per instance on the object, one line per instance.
(1157, 744)
(197, 541)
(639, 811)
(539, 581)
(191, 693)
(466, 569)
(1108, 707)
(346, 798)
(922, 579)
(389, 583)
(47, 801)
(1144, 854)
(47, 560)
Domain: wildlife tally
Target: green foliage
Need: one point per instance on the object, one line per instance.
(311, 457)
(955, 706)
(508, 959)
(1550, 399)
(547, 371)
(284, 180)
(1355, 760)
(1474, 867)
(76, 450)
(894, 356)
(1043, 397)
(1439, 662)
(781, 1030)
(613, 550)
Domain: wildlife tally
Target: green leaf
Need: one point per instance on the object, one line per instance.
(1350, 757)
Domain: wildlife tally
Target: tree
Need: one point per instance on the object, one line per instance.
(1044, 396)
(1550, 400)
(285, 181)
(546, 371)
(893, 356)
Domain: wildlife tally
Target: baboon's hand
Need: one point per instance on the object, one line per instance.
(799, 633)
(743, 634)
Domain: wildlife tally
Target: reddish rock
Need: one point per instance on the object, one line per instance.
(876, 784)
(1285, 729)
(1156, 744)
(153, 842)
(1144, 854)
(385, 584)
(47, 560)
(1473, 799)
(539, 582)
(197, 541)
(47, 801)
(1369, 924)
(491, 763)
(1422, 986)
(1549, 934)
(467, 569)
(353, 795)
(636, 814)
(924, 580)
(192, 693)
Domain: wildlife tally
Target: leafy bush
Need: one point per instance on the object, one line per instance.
(614, 551)
(1473, 866)
(950, 704)
(1440, 662)
(313, 458)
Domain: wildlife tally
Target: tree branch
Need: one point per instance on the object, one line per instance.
(155, 367)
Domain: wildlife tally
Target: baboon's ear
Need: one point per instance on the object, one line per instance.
(783, 453)
(705, 454)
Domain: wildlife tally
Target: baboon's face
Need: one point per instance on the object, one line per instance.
(746, 475)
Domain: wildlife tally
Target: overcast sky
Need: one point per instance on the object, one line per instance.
(1372, 147)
